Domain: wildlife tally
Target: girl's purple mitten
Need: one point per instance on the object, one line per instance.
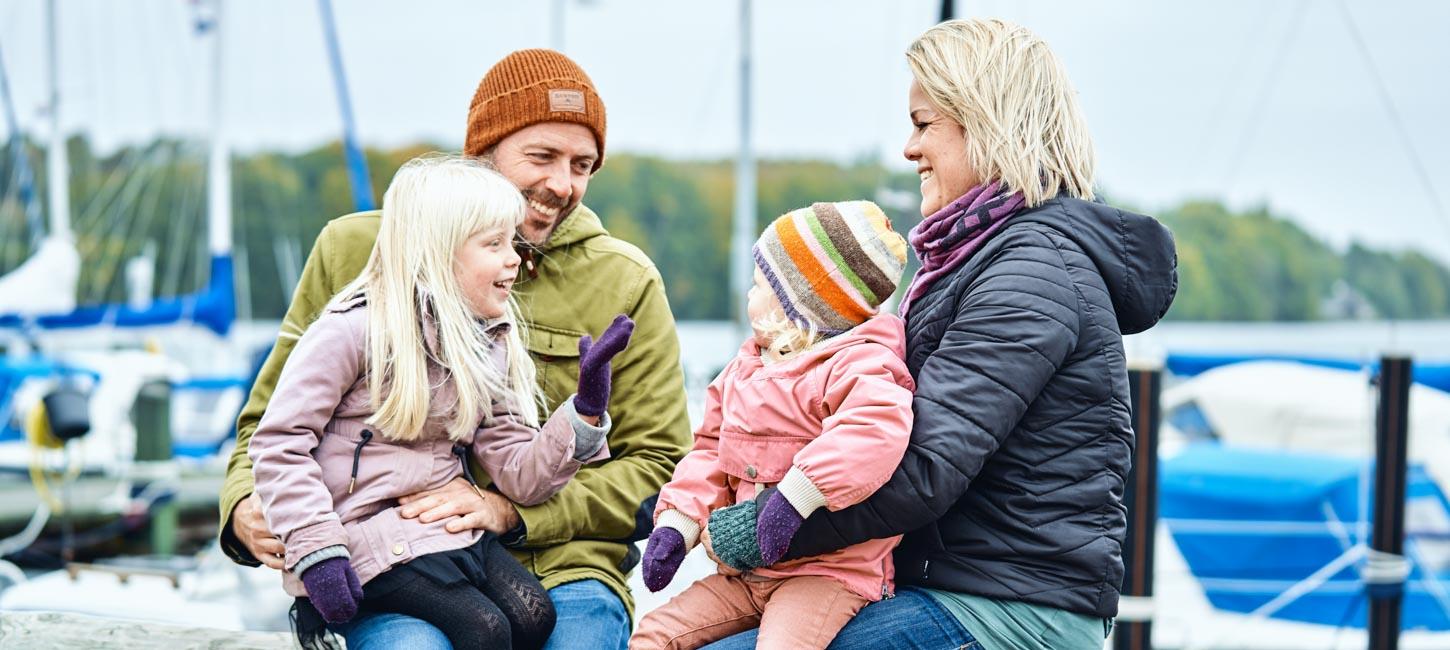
(333, 588)
(593, 395)
(662, 557)
(776, 524)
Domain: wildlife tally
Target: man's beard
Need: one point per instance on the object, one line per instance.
(561, 205)
(547, 199)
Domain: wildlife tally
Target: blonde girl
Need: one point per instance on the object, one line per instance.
(412, 370)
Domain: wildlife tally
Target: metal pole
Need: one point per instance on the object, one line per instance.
(743, 234)
(948, 11)
(357, 164)
(1135, 608)
(58, 182)
(1386, 571)
(25, 178)
(557, 25)
(219, 173)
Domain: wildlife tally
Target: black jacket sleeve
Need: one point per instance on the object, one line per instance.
(1014, 326)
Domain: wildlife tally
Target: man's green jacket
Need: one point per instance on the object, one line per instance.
(582, 278)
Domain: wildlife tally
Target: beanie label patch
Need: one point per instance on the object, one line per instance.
(566, 100)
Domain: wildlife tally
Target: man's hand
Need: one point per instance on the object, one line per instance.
(250, 527)
(489, 511)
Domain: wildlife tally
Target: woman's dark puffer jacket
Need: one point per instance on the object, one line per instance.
(1012, 487)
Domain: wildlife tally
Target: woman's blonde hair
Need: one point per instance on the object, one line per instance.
(433, 206)
(1013, 98)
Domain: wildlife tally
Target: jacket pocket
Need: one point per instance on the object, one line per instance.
(353, 462)
(556, 355)
(383, 540)
(756, 458)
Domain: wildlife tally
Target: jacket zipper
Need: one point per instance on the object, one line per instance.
(461, 452)
(356, 456)
(885, 584)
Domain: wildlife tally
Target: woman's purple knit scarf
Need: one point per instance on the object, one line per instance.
(946, 239)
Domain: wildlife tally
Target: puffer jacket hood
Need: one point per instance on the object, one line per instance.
(1134, 253)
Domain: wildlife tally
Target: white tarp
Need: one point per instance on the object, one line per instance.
(44, 284)
(1293, 406)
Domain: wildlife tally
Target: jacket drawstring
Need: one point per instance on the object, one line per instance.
(357, 455)
(527, 253)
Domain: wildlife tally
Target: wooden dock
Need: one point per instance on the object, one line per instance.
(63, 631)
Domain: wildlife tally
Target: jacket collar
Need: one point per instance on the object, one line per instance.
(493, 329)
(579, 225)
(884, 329)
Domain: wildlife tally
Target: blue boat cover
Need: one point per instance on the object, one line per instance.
(1251, 524)
(213, 307)
(1184, 364)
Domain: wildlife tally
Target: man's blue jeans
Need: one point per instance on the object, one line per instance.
(590, 617)
(910, 620)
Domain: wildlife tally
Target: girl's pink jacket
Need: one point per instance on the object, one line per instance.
(323, 481)
(832, 423)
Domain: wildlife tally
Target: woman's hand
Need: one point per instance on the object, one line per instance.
(733, 536)
(725, 569)
(594, 370)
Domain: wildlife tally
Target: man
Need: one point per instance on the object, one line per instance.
(537, 118)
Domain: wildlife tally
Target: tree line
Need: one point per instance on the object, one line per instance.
(1240, 265)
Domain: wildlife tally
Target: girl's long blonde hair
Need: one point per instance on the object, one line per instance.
(434, 204)
(1012, 96)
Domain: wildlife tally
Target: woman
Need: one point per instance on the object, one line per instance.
(1010, 494)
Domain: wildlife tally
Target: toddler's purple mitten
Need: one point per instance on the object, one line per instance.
(593, 395)
(776, 524)
(333, 588)
(662, 557)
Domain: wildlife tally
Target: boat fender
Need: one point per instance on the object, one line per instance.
(67, 410)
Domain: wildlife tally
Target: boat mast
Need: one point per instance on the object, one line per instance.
(25, 178)
(743, 229)
(219, 169)
(58, 169)
(357, 164)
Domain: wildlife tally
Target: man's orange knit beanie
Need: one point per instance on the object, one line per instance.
(528, 87)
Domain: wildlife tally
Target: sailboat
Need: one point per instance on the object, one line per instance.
(52, 339)
(207, 590)
(1265, 506)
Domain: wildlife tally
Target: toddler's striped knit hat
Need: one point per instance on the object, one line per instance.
(832, 264)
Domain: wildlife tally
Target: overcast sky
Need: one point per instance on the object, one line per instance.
(1247, 100)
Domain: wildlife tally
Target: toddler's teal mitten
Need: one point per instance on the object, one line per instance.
(732, 536)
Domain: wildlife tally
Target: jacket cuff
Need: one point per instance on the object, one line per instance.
(317, 556)
(689, 528)
(233, 547)
(234, 491)
(587, 437)
(516, 536)
(802, 494)
(315, 537)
